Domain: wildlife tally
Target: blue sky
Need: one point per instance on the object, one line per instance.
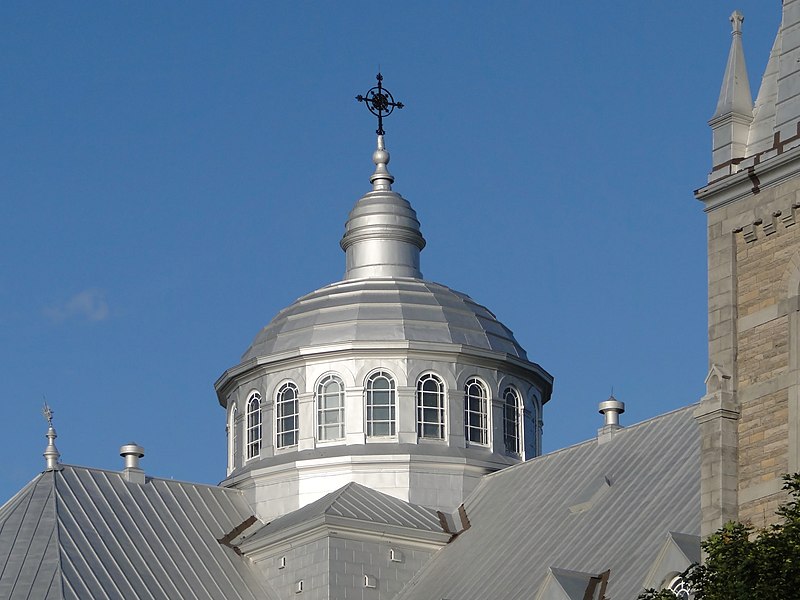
(172, 174)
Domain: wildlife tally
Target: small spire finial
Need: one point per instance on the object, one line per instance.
(51, 453)
(381, 179)
(380, 102)
(48, 413)
(737, 19)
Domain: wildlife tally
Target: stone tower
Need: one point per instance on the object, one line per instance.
(750, 415)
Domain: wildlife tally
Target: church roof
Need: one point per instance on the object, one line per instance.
(585, 509)
(384, 310)
(383, 301)
(360, 503)
(359, 506)
(88, 533)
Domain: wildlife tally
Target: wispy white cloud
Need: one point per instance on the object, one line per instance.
(88, 305)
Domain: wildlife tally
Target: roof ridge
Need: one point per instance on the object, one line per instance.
(120, 474)
(593, 440)
(336, 495)
(59, 571)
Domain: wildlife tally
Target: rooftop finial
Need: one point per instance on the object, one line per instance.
(380, 103)
(381, 179)
(51, 453)
(737, 19)
(48, 413)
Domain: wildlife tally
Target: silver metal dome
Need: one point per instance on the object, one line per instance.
(384, 310)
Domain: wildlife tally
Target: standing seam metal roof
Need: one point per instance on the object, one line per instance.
(558, 511)
(359, 503)
(87, 533)
(384, 309)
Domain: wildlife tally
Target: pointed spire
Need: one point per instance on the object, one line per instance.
(51, 453)
(382, 237)
(787, 108)
(762, 131)
(731, 121)
(735, 96)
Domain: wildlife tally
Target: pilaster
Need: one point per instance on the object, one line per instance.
(718, 416)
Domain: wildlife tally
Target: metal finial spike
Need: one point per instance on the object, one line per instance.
(51, 453)
(381, 179)
(380, 102)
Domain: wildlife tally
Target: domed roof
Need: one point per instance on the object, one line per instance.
(384, 310)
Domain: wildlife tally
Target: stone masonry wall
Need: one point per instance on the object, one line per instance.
(763, 253)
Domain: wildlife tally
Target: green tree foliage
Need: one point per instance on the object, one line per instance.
(652, 594)
(742, 564)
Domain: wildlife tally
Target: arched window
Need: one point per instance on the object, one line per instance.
(476, 428)
(232, 440)
(511, 420)
(253, 425)
(286, 412)
(330, 408)
(680, 587)
(430, 407)
(380, 405)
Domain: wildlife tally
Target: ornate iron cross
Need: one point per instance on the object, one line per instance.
(380, 102)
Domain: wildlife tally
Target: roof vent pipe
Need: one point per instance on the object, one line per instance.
(611, 409)
(132, 453)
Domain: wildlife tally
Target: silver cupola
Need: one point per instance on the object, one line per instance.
(382, 236)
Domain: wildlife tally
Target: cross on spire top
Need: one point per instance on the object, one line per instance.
(47, 412)
(380, 102)
(737, 19)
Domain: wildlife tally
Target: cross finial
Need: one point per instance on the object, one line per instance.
(737, 19)
(51, 453)
(48, 414)
(380, 102)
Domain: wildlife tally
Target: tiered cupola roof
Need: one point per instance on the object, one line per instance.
(382, 236)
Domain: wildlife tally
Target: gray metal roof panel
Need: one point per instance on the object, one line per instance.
(534, 516)
(384, 309)
(359, 503)
(109, 538)
(28, 543)
(688, 544)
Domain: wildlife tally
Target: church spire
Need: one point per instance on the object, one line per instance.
(731, 121)
(382, 237)
(735, 93)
